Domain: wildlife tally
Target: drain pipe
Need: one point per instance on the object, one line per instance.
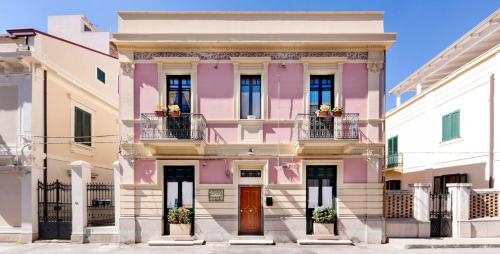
(45, 150)
(491, 159)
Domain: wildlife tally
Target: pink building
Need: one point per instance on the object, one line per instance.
(250, 153)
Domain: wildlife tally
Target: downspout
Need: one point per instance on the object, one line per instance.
(491, 159)
(45, 194)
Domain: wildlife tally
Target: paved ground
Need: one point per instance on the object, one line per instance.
(56, 248)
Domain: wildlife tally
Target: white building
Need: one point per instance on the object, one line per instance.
(449, 131)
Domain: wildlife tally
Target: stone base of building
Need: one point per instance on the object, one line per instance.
(281, 229)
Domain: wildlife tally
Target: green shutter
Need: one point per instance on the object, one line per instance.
(451, 126)
(455, 124)
(83, 127)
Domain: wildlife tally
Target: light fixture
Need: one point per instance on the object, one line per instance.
(251, 151)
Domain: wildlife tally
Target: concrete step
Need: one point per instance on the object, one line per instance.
(323, 242)
(435, 243)
(176, 242)
(251, 242)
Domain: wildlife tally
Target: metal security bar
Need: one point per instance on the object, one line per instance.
(184, 127)
(100, 204)
(440, 214)
(312, 127)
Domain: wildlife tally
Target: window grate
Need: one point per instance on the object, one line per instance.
(250, 173)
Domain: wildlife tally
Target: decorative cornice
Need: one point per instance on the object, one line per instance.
(127, 67)
(273, 55)
(374, 66)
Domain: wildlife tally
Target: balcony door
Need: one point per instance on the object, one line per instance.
(178, 182)
(320, 91)
(321, 190)
(179, 93)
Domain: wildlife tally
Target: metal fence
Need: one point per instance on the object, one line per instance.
(100, 204)
(312, 127)
(186, 126)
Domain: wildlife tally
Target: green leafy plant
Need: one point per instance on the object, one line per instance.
(323, 215)
(179, 216)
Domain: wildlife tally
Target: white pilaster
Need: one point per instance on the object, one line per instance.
(117, 178)
(421, 201)
(194, 88)
(375, 66)
(29, 209)
(80, 176)
(307, 81)
(460, 198)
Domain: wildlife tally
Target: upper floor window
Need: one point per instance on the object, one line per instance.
(250, 96)
(321, 91)
(451, 126)
(101, 75)
(392, 151)
(440, 182)
(83, 127)
(179, 92)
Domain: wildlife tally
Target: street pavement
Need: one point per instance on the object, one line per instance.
(56, 248)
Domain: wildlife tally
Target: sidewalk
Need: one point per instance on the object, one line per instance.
(434, 243)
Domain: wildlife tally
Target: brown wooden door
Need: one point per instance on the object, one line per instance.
(250, 210)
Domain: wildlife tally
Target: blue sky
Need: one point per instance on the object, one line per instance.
(424, 28)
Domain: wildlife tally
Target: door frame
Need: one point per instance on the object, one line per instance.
(261, 208)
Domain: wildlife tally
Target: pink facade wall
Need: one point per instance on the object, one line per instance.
(216, 172)
(275, 135)
(355, 88)
(355, 170)
(289, 175)
(145, 172)
(222, 133)
(216, 91)
(286, 102)
(145, 88)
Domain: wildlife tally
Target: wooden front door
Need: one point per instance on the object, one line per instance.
(250, 211)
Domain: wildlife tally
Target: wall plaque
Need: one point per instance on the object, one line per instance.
(215, 195)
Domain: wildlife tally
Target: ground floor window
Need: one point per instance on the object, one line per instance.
(441, 181)
(321, 190)
(393, 185)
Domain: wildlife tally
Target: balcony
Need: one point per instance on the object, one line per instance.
(394, 162)
(315, 134)
(174, 135)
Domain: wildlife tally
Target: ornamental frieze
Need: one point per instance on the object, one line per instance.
(272, 55)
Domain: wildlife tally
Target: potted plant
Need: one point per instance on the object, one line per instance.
(324, 111)
(160, 110)
(323, 218)
(175, 110)
(180, 222)
(337, 111)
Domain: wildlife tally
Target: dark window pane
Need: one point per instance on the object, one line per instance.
(321, 91)
(250, 96)
(83, 126)
(179, 92)
(101, 76)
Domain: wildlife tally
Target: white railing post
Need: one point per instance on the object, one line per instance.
(80, 176)
(460, 206)
(421, 206)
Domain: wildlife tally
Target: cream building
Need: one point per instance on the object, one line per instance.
(448, 131)
(53, 86)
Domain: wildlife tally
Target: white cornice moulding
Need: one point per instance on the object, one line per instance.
(176, 59)
(316, 60)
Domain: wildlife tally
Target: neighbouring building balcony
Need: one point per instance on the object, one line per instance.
(394, 162)
(184, 134)
(314, 133)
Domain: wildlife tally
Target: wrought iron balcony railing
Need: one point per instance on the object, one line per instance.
(184, 127)
(312, 127)
(394, 160)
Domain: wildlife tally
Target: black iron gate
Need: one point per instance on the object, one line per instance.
(440, 215)
(54, 210)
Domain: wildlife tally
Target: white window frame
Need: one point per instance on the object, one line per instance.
(323, 66)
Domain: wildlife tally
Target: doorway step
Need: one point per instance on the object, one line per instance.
(251, 240)
(176, 242)
(324, 242)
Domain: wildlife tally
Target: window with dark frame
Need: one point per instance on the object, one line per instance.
(83, 127)
(393, 185)
(320, 91)
(441, 181)
(179, 92)
(250, 97)
(101, 75)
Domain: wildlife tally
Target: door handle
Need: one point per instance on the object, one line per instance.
(241, 210)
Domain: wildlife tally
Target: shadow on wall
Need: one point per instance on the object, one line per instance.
(10, 193)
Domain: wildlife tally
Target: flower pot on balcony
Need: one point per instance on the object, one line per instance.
(180, 230)
(323, 114)
(175, 113)
(337, 113)
(323, 231)
(159, 113)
